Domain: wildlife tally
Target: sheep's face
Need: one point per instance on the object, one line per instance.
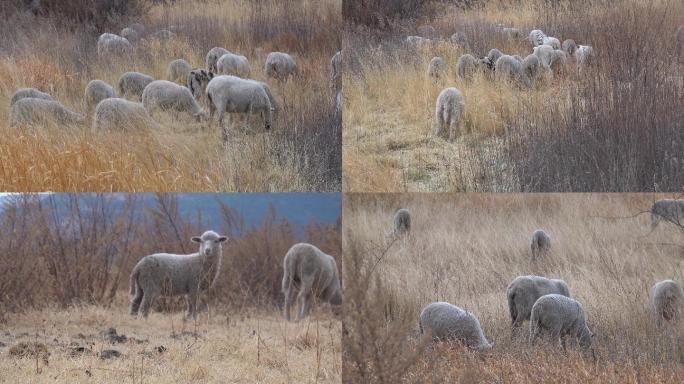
(586, 338)
(210, 243)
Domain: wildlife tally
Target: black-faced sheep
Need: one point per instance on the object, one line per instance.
(558, 317)
(32, 111)
(448, 110)
(447, 322)
(280, 66)
(96, 91)
(132, 84)
(524, 291)
(667, 301)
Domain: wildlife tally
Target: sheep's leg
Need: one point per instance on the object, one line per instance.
(305, 306)
(440, 122)
(303, 298)
(137, 299)
(148, 299)
(289, 297)
(191, 300)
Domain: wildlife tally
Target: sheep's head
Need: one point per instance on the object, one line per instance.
(210, 243)
(586, 338)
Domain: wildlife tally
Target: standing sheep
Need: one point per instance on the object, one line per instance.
(32, 111)
(212, 57)
(120, 115)
(172, 275)
(437, 69)
(336, 72)
(466, 66)
(280, 66)
(569, 46)
(583, 54)
(402, 222)
(448, 111)
(314, 274)
(24, 93)
(111, 44)
(178, 71)
(494, 55)
(165, 95)
(531, 67)
(508, 68)
(447, 322)
(540, 245)
(96, 91)
(132, 85)
(524, 291)
(559, 317)
(552, 41)
(545, 54)
(234, 65)
(536, 37)
(670, 210)
(666, 300)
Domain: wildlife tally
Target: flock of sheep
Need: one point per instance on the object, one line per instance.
(306, 268)
(224, 86)
(545, 302)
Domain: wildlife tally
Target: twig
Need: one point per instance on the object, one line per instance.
(382, 255)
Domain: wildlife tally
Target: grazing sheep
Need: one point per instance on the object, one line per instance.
(212, 57)
(494, 55)
(512, 33)
(232, 64)
(531, 67)
(466, 66)
(280, 66)
(132, 85)
(130, 34)
(584, 53)
(508, 68)
(427, 31)
(23, 93)
(536, 37)
(172, 275)
(96, 91)
(402, 222)
(670, 210)
(545, 54)
(178, 71)
(314, 274)
(437, 69)
(540, 245)
(447, 322)
(560, 316)
(32, 111)
(524, 291)
(569, 46)
(165, 95)
(552, 41)
(666, 300)
(336, 71)
(448, 111)
(117, 114)
(111, 44)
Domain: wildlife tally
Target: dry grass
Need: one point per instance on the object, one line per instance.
(301, 153)
(466, 249)
(224, 345)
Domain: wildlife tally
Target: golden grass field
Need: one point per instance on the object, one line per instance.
(181, 154)
(467, 248)
(226, 346)
(388, 140)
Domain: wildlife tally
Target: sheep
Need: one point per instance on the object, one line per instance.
(23, 93)
(173, 275)
(552, 41)
(437, 69)
(518, 57)
(427, 31)
(559, 59)
(314, 274)
(111, 44)
(466, 66)
(666, 299)
(402, 222)
(178, 71)
(120, 114)
(212, 57)
(165, 95)
(670, 210)
(138, 28)
(545, 54)
(448, 111)
(524, 291)
(336, 71)
(531, 67)
(132, 84)
(197, 81)
(460, 39)
(507, 68)
(494, 55)
(512, 33)
(232, 64)
(280, 66)
(569, 46)
(130, 34)
(96, 91)
(447, 322)
(33, 111)
(584, 53)
(540, 245)
(536, 37)
(560, 316)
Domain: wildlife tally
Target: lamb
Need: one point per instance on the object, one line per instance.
(560, 316)
(120, 114)
(524, 291)
(402, 222)
(437, 69)
(23, 93)
(447, 322)
(132, 84)
(165, 95)
(280, 66)
(666, 299)
(130, 34)
(178, 71)
(336, 72)
(540, 245)
(212, 57)
(670, 210)
(173, 275)
(33, 111)
(232, 64)
(448, 111)
(314, 274)
(96, 91)
(111, 44)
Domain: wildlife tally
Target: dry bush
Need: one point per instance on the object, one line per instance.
(466, 249)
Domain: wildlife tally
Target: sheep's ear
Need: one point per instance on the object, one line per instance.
(222, 239)
(196, 239)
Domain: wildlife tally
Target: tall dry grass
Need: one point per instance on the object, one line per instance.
(467, 248)
(302, 152)
(615, 126)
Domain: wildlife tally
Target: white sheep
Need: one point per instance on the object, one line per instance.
(314, 274)
(559, 59)
(212, 57)
(172, 275)
(232, 64)
(437, 69)
(280, 65)
(448, 110)
(512, 33)
(531, 67)
(466, 66)
(508, 68)
(23, 93)
(536, 37)
(178, 71)
(493, 55)
(402, 222)
(117, 114)
(584, 53)
(96, 91)
(336, 72)
(545, 54)
(132, 85)
(447, 322)
(130, 34)
(33, 111)
(111, 44)
(524, 291)
(165, 95)
(540, 246)
(559, 316)
(552, 41)
(569, 46)
(670, 210)
(666, 299)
